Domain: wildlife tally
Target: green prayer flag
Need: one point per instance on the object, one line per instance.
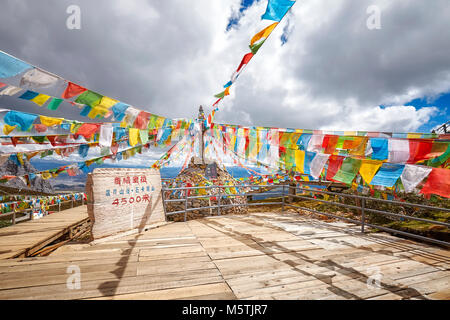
(143, 134)
(255, 47)
(54, 103)
(90, 98)
(39, 139)
(220, 95)
(348, 170)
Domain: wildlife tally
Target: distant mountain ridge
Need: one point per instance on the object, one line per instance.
(37, 184)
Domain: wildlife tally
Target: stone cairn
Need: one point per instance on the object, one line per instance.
(194, 175)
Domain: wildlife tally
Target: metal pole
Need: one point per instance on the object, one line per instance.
(185, 203)
(282, 199)
(218, 201)
(363, 215)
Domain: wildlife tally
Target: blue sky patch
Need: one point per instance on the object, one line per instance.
(245, 4)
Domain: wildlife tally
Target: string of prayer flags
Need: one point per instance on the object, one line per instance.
(10, 66)
(277, 9)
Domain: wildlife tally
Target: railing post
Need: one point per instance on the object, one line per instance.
(363, 215)
(282, 199)
(219, 200)
(14, 217)
(185, 203)
(164, 203)
(72, 200)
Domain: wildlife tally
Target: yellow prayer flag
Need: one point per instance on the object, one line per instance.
(49, 121)
(264, 33)
(227, 91)
(7, 129)
(414, 135)
(369, 168)
(40, 99)
(133, 136)
(46, 175)
(160, 122)
(299, 161)
(107, 102)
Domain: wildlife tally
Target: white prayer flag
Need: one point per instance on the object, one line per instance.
(412, 175)
(10, 91)
(398, 150)
(106, 136)
(317, 164)
(36, 78)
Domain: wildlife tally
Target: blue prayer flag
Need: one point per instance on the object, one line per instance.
(10, 66)
(28, 95)
(83, 150)
(303, 141)
(119, 110)
(380, 148)
(276, 9)
(388, 174)
(309, 156)
(85, 111)
(24, 120)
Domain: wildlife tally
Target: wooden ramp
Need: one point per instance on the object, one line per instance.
(27, 237)
(255, 256)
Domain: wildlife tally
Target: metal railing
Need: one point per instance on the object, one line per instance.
(28, 215)
(362, 208)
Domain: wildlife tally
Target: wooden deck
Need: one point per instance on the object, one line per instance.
(33, 235)
(255, 256)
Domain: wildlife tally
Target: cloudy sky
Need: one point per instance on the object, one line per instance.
(322, 68)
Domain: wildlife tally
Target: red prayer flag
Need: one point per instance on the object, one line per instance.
(40, 127)
(334, 164)
(217, 102)
(87, 130)
(72, 90)
(142, 119)
(245, 60)
(329, 143)
(419, 150)
(438, 182)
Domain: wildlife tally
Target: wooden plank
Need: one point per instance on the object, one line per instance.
(206, 291)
